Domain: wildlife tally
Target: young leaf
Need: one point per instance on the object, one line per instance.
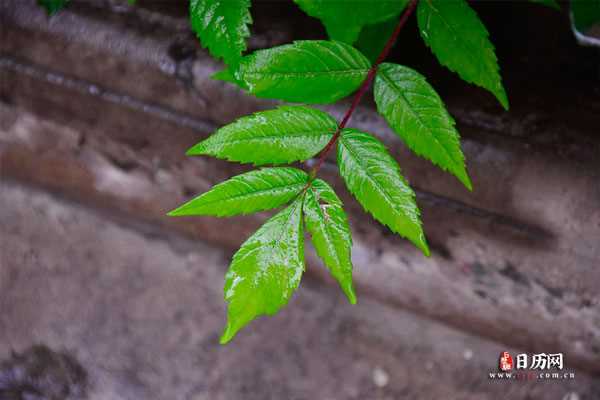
(253, 191)
(307, 71)
(283, 135)
(266, 270)
(328, 225)
(344, 20)
(53, 6)
(374, 178)
(417, 114)
(548, 3)
(460, 42)
(222, 26)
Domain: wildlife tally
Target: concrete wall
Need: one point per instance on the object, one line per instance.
(99, 105)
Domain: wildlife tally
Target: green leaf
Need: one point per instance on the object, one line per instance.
(226, 75)
(548, 3)
(586, 14)
(308, 71)
(253, 191)
(283, 135)
(344, 20)
(460, 42)
(328, 225)
(53, 6)
(374, 178)
(266, 270)
(373, 38)
(417, 114)
(222, 26)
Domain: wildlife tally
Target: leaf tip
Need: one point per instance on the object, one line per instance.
(426, 251)
(422, 244)
(183, 210)
(351, 297)
(228, 334)
(469, 185)
(502, 98)
(222, 75)
(196, 150)
(349, 292)
(466, 180)
(174, 213)
(225, 75)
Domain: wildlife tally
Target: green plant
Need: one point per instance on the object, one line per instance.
(268, 267)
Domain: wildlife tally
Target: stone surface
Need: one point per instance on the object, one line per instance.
(42, 374)
(490, 274)
(98, 105)
(141, 312)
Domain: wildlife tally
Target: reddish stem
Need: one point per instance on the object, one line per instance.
(363, 87)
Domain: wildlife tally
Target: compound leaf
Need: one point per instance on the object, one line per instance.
(374, 178)
(417, 114)
(344, 20)
(266, 270)
(283, 135)
(460, 41)
(53, 6)
(327, 223)
(222, 26)
(308, 71)
(253, 191)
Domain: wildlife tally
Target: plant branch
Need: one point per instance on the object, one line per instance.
(410, 8)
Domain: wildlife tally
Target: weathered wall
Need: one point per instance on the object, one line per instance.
(142, 312)
(99, 105)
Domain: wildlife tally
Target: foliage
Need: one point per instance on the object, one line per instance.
(372, 38)
(248, 193)
(328, 225)
(344, 21)
(222, 26)
(374, 178)
(308, 71)
(267, 268)
(416, 113)
(283, 135)
(460, 42)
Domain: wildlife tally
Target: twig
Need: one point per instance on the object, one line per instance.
(363, 87)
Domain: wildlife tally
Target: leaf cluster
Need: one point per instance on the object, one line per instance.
(268, 267)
